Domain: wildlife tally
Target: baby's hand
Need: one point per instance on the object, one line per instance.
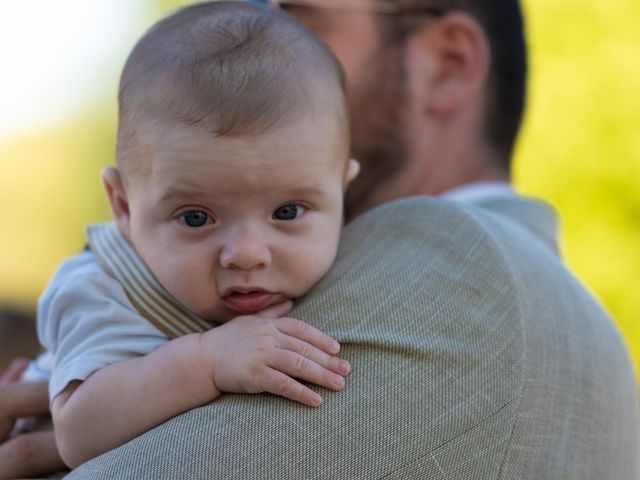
(263, 353)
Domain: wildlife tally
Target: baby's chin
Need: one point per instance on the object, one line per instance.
(221, 314)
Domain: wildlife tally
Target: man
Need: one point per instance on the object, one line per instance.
(475, 354)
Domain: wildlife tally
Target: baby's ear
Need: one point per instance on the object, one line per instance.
(112, 179)
(353, 169)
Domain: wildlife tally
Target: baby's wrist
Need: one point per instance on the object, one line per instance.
(206, 360)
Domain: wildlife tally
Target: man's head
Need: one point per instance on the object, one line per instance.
(233, 153)
(436, 89)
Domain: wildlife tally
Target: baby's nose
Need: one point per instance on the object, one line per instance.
(245, 253)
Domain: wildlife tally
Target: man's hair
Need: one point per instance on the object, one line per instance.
(502, 22)
(229, 68)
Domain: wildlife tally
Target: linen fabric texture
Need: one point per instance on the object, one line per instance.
(475, 355)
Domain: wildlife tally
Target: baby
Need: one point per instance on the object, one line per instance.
(233, 157)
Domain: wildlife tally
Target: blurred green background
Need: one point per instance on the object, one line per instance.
(580, 149)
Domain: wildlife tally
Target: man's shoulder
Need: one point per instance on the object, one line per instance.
(424, 254)
(441, 234)
(424, 215)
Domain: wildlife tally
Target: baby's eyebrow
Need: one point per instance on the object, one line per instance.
(305, 191)
(181, 192)
(187, 192)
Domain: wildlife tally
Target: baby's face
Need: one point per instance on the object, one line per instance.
(232, 225)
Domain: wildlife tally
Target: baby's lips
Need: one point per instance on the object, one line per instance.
(248, 301)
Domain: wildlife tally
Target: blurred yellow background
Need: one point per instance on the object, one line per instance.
(580, 148)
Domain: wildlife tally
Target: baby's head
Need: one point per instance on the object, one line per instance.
(233, 156)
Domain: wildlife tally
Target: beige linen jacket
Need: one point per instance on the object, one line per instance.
(475, 355)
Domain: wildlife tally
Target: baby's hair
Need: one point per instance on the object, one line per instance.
(229, 68)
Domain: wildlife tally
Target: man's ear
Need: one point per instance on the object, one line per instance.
(112, 179)
(449, 63)
(353, 169)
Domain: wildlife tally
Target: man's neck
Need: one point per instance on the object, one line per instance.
(445, 156)
(432, 185)
(441, 183)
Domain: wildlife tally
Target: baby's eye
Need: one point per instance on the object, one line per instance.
(288, 212)
(196, 218)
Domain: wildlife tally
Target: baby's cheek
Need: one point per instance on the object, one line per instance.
(186, 285)
(304, 259)
(320, 259)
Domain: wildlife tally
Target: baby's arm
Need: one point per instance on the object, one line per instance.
(249, 354)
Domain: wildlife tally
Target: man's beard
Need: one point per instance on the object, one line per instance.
(378, 127)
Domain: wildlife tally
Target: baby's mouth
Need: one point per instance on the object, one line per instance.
(248, 300)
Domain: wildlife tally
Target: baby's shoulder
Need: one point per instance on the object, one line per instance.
(82, 265)
(79, 273)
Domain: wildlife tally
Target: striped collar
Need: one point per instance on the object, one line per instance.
(120, 260)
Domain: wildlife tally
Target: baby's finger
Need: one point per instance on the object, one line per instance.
(304, 331)
(297, 366)
(330, 362)
(280, 384)
(23, 399)
(29, 455)
(275, 311)
(14, 371)
(6, 425)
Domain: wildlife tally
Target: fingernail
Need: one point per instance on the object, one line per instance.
(336, 346)
(344, 367)
(317, 400)
(338, 381)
